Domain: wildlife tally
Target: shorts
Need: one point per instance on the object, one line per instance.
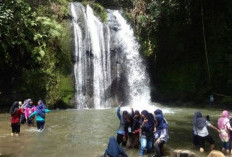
(15, 127)
(202, 140)
(226, 145)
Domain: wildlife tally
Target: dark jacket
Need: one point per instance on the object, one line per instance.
(114, 150)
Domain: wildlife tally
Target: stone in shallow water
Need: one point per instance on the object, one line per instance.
(216, 153)
(183, 153)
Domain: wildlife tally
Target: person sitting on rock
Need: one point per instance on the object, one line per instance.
(113, 149)
(200, 125)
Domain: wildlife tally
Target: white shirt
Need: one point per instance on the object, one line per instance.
(204, 131)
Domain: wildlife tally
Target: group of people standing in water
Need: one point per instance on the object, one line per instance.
(24, 113)
(139, 130)
(201, 133)
(149, 132)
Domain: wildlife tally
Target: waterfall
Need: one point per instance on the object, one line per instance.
(108, 68)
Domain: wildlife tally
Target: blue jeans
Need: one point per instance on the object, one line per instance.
(226, 145)
(146, 143)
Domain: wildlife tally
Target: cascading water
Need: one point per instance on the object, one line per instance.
(138, 81)
(108, 68)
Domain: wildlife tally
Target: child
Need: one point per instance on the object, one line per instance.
(224, 126)
(200, 128)
(161, 134)
(40, 115)
(114, 150)
(30, 108)
(15, 112)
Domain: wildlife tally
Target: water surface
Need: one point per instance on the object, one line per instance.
(85, 133)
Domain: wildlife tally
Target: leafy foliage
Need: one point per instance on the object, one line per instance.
(170, 33)
(33, 58)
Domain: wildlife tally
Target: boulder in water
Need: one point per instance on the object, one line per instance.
(183, 153)
(216, 153)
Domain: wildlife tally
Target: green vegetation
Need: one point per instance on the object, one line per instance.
(98, 9)
(35, 51)
(187, 47)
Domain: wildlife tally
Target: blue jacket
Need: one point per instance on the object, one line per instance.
(38, 118)
(114, 150)
(122, 123)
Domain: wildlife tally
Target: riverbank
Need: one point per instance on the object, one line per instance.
(75, 132)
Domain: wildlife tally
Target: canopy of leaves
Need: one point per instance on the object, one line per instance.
(33, 54)
(171, 37)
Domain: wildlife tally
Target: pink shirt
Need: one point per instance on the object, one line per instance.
(224, 124)
(29, 111)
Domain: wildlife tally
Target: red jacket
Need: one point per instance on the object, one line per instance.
(15, 118)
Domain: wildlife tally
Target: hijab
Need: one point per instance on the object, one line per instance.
(158, 112)
(137, 113)
(129, 116)
(137, 116)
(113, 149)
(161, 124)
(224, 119)
(40, 109)
(150, 123)
(14, 107)
(145, 113)
(124, 115)
(198, 120)
(29, 105)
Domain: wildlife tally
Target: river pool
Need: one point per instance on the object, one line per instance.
(85, 133)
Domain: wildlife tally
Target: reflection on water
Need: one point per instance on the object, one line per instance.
(84, 133)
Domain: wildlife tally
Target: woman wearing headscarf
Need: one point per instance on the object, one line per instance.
(161, 134)
(30, 108)
(160, 112)
(23, 118)
(200, 128)
(40, 115)
(15, 112)
(147, 128)
(224, 126)
(113, 149)
(121, 129)
(128, 129)
(136, 129)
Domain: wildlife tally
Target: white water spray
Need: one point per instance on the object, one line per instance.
(108, 67)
